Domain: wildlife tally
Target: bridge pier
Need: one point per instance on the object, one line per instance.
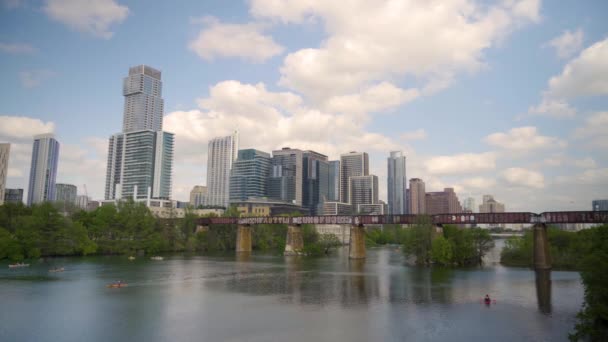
(243, 239)
(294, 243)
(357, 242)
(542, 255)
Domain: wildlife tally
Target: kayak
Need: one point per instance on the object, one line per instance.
(18, 265)
(116, 286)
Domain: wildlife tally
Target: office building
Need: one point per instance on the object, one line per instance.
(82, 201)
(333, 193)
(198, 196)
(65, 193)
(5, 150)
(363, 190)
(396, 184)
(468, 205)
(140, 165)
(249, 175)
(286, 176)
(490, 205)
(140, 158)
(599, 205)
(417, 196)
(13, 196)
(267, 207)
(143, 108)
(372, 209)
(222, 152)
(442, 202)
(43, 170)
(335, 208)
(315, 182)
(352, 164)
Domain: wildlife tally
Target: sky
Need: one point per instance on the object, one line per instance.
(507, 97)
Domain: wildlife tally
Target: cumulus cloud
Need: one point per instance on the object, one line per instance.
(373, 99)
(22, 127)
(419, 134)
(94, 17)
(568, 43)
(521, 177)
(595, 130)
(17, 48)
(34, 78)
(387, 42)
(234, 40)
(481, 183)
(553, 108)
(585, 163)
(461, 163)
(523, 139)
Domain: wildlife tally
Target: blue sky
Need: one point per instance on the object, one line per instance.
(501, 97)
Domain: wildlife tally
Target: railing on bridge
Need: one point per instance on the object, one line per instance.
(460, 218)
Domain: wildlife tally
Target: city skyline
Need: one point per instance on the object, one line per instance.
(506, 119)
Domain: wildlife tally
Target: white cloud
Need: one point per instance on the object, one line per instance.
(22, 127)
(479, 183)
(375, 98)
(568, 43)
(595, 130)
(461, 163)
(373, 41)
(419, 134)
(234, 40)
(34, 78)
(585, 163)
(523, 139)
(521, 177)
(553, 108)
(94, 17)
(17, 48)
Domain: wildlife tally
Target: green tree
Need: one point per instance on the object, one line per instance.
(441, 251)
(418, 240)
(482, 242)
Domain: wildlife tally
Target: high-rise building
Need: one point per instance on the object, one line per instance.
(198, 196)
(334, 208)
(315, 183)
(490, 205)
(333, 193)
(140, 158)
(4, 153)
(140, 165)
(249, 175)
(417, 198)
(468, 205)
(363, 190)
(222, 152)
(397, 184)
(82, 201)
(143, 109)
(65, 193)
(13, 196)
(286, 176)
(442, 202)
(43, 170)
(599, 205)
(352, 164)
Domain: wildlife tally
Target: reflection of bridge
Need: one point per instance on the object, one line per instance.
(294, 243)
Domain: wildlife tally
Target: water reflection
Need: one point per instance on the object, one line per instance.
(543, 291)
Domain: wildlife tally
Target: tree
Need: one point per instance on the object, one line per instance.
(329, 241)
(441, 251)
(418, 240)
(482, 241)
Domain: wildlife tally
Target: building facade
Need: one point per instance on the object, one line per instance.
(468, 205)
(315, 183)
(66, 193)
(417, 196)
(363, 190)
(352, 164)
(82, 201)
(397, 184)
(599, 205)
(490, 205)
(267, 207)
(143, 109)
(442, 202)
(13, 196)
(198, 196)
(43, 169)
(286, 176)
(249, 175)
(222, 152)
(335, 208)
(333, 193)
(5, 150)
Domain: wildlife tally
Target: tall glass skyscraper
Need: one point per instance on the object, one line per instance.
(43, 170)
(66, 193)
(5, 149)
(352, 164)
(140, 159)
(315, 186)
(397, 184)
(333, 193)
(286, 179)
(249, 175)
(221, 154)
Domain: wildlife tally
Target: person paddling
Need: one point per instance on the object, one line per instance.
(487, 300)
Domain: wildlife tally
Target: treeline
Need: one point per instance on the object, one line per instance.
(130, 228)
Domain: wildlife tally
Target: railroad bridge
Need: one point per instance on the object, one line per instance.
(294, 243)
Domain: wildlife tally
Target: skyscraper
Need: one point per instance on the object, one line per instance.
(65, 193)
(490, 205)
(286, 175)
(468, 205)
(13, 196)
(140, 158)
(143, 109)
(397, 184)
(315, 183)
(351, 164)
(363, 190)
(333, 193)
(442, 202)
(249, 175)
(222, 152)
(417, 196)
(198, 196)
(4, 153)
(43, 170)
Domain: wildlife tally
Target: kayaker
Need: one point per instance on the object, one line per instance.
(487, 300)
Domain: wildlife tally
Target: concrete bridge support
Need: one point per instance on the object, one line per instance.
(357, 242)
(294, 243)
(243, 239)
(542, 255)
